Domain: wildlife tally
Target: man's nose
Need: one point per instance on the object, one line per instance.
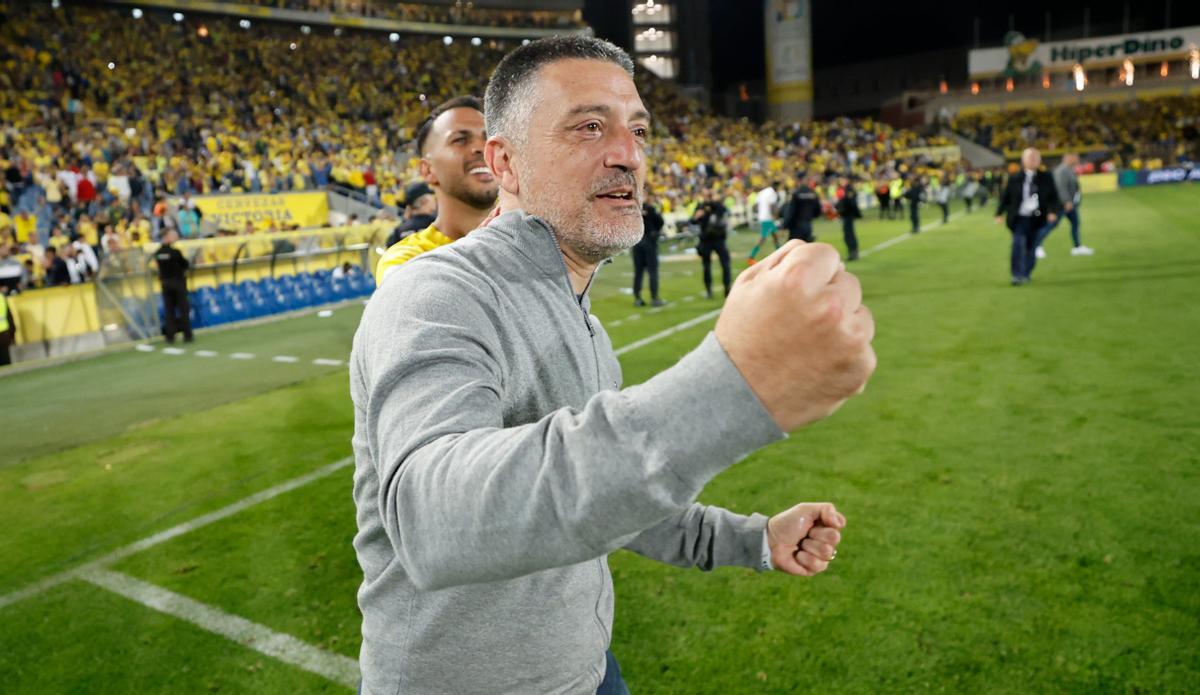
(624, 151)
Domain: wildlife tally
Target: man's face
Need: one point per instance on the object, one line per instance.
(453, 160)
(582, 166)
(1031, 159)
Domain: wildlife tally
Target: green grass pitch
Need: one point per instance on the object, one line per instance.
(1021, 479)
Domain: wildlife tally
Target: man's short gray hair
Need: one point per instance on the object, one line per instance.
(510, 96)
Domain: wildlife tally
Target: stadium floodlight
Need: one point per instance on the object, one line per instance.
(178, 16)
(245, 24)
(447, 40)
(305, 29)
(476, 41)
(393, 37)
(137, 13)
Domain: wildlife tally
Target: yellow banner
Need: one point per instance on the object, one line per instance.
(942, 153)
(233, 211)
(1098, 183)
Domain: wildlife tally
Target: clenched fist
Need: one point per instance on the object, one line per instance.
(804, 539)
(797, 330)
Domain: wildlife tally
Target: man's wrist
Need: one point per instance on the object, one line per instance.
(766, 565)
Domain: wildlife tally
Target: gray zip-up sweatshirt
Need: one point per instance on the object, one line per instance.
(498, 463)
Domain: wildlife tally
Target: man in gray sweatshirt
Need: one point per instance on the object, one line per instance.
(1066, 181)
(498, 460)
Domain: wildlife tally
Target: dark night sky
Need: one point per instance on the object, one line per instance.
(847, 32)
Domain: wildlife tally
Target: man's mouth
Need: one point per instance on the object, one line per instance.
(482, 171)
(620, 193)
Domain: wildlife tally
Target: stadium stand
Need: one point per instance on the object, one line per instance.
(1148, 133)
(113, 124)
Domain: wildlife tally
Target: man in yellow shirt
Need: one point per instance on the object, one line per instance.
(450, 144)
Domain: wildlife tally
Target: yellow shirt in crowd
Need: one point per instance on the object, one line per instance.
(407, 249)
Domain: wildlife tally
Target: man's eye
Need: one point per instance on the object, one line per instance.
(640, 133)
(592, 127)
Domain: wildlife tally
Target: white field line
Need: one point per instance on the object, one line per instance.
(142, 347)
(322, 362)
(285, 648)
(173, 351)
(175, 531)
(242, 356)
(288, 359)
(204, 353)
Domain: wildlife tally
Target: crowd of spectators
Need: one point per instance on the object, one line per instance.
(459, 12)
(107, 121)
(1144, 133)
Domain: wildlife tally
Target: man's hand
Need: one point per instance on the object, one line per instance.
(999, 219)
(797, 330)
(1051, 218)
(1068, 206)
(804, 539)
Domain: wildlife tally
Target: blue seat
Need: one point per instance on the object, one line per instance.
(301, 297)
(340, 290)
(320, 293)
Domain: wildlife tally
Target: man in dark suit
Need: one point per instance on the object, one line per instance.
(1030, 201)
(645, 254)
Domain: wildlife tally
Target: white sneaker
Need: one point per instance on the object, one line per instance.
(1041, 253)
(1082, 251)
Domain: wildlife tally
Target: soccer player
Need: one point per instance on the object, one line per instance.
(767, 202)
(450, 144)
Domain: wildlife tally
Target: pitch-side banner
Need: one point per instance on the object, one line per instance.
(1024, 56)
(1151, 177)
(233, 211)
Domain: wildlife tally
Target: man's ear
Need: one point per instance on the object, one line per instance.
(427, 172)
(499, 154)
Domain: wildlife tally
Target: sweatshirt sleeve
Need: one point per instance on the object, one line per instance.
(465, 497)
(704, 537)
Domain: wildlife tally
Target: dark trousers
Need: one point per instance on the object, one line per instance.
(5, 358)
(884, 204)
(914, 214)
(613, 683)
(1073, 217)
(1024, 246)
(645, 261)
(945, 212)
(849, 236)
(706, 249)
(802, 231)
(177, 312)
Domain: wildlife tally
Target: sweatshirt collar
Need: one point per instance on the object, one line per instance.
(534, 238)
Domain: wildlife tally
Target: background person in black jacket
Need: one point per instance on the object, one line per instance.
(914, 194)
(1029, 203)
(802, 209)
(645, 254)
(172, 275)
(710, 218)
(847, 208)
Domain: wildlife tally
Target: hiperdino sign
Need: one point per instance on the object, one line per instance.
(1022, 56)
